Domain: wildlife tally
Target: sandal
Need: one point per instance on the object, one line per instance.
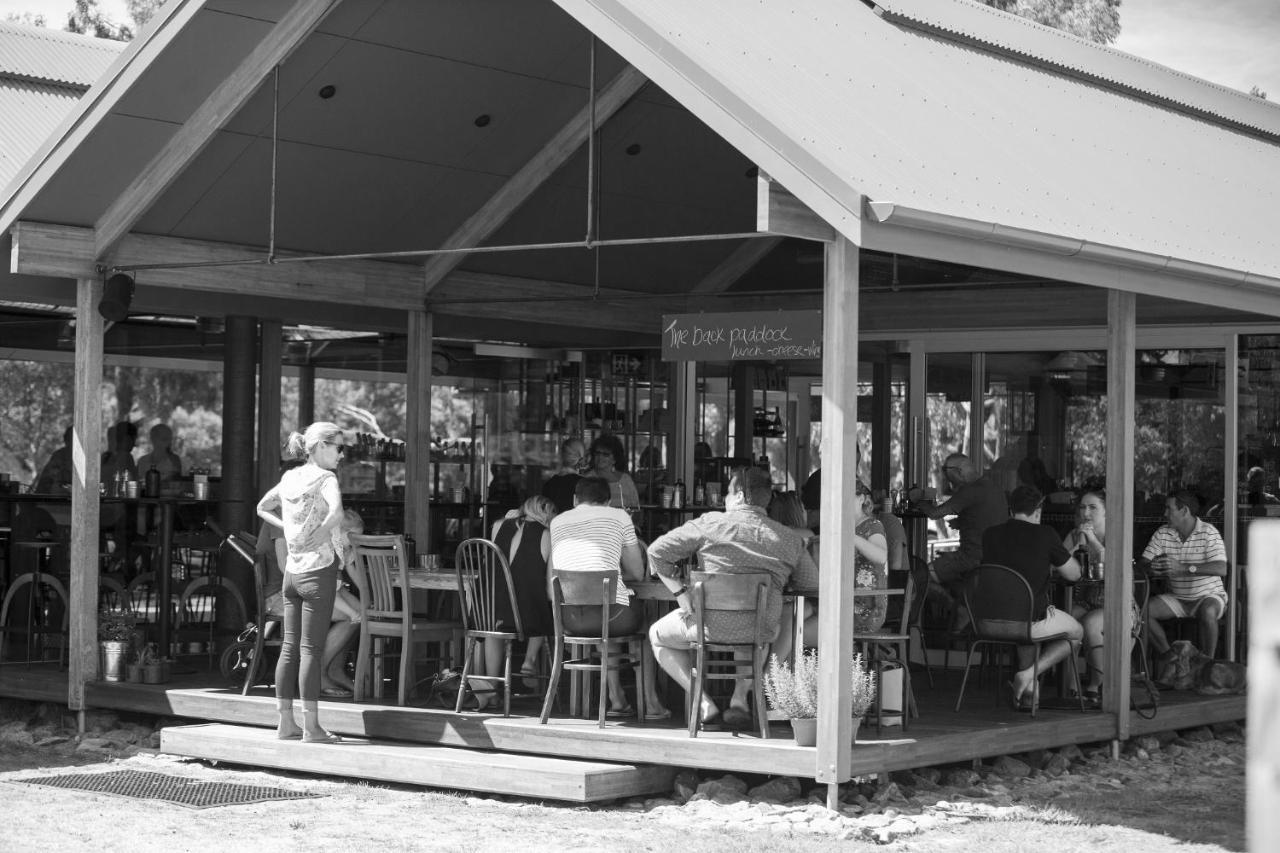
(664, 714)
(620, 713)
(327, 737)
(336, 692)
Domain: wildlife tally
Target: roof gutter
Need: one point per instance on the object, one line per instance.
(888, 213)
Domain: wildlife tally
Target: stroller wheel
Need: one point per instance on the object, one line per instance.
(235, 661)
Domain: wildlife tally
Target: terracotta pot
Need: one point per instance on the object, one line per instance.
(805, 730)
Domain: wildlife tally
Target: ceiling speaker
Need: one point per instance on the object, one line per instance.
(117, 293)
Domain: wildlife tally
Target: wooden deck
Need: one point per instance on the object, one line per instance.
(983, 728)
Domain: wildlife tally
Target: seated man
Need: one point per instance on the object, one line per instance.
(161, 457)
(1188, 553)
(55, 477)
(594, 536)
(741, 539)
(1034, 551)
(977, 504)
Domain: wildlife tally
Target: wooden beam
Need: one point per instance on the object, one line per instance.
(1122, 369)
(86, 457)
(540, 301)
(779, 212)
(66, 252)
(207, 120)
(531, 175)
(417, 492)
(839, 473)
(738, 264)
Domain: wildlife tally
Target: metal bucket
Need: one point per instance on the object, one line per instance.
(114, 655)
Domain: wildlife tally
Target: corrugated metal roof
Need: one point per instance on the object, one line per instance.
(41, 54)
(1021, 37)
(835, 102)
(30, 112)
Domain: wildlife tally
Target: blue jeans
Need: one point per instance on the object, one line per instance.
(308, 610)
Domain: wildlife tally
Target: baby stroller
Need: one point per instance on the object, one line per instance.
(244, 661)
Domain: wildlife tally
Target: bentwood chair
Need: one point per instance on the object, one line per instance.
(592, 589)
(743, 599)
(386, 613)
(484, 578)
(1002, 606)
(35, 606)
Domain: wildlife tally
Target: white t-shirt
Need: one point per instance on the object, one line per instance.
(590, 538)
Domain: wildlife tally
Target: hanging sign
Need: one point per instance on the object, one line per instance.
(742, 336)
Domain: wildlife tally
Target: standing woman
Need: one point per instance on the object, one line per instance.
(307, 504)
(609, 461)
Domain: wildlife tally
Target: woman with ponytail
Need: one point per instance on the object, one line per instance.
(307, 505)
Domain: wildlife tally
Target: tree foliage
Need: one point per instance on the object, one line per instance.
(1095, 20)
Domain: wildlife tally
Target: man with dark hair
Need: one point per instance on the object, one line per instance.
(1035, 551)
(741, 539)
(1189, 554)
(594, 536)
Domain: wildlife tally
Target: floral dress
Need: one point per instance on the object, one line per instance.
(869, 611)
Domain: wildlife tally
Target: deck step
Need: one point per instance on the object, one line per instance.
(421, 764)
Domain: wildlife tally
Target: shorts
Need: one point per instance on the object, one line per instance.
(1185, 608)
(679, 629)
(951, 566)
(1056, 621)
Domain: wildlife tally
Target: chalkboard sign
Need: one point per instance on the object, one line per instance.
(742, 336)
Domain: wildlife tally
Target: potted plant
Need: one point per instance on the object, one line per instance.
(136, 665)
(155, 669)
(115, 633)
(794, 692)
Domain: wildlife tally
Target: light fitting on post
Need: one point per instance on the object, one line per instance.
(117, 293)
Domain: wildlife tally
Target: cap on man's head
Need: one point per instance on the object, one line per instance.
(1025, 500)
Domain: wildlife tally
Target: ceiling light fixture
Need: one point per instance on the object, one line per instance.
(327, 92)
(482, 120)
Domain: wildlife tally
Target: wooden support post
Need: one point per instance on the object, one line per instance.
(839, 471)
(1118, 578)
(684, 411)
(86, 457)
(1262, 818)
(306, 394)
(417, 486)
(744, 410)
(270, 365)
(881, 421)
(239, 380)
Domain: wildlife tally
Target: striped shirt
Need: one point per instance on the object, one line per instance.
(1204, 545)
(591, 537)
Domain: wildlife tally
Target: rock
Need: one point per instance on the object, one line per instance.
(1165, 737)
(728, 785)
(19, 737)
(928, 777)
(962, 778)
(657, 802)
(1037, 758)
(1007, 765)
(94, 744)
(780, 789)
(1150, 743)
(123, 737)
(100, 721)
(685, 785)
(1071, 752)
(15, 709)
(1057, 765)
(13, 729)
(1199, 735)
(51, 740)
(889, 793)
(1227, 731)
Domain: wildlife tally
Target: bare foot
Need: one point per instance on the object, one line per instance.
(288, 729)
(709, 710)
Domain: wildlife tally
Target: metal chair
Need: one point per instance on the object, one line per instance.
(41, 589)
(588, 589)
(724, 592)
(1002, 606)
(381, 569)
(914, 608)
(481, 568)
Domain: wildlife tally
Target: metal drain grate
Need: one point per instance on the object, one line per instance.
(179, 790)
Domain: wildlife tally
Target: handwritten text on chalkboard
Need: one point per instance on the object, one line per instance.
(742, 336)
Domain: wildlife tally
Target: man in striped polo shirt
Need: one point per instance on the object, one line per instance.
(594, 536)
(1188, 553)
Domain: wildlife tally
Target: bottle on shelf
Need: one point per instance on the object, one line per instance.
(699, 493)
(677, 497)
(153, 482)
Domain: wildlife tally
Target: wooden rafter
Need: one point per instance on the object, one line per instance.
(738, 264)
(208, 118)
(532, 175)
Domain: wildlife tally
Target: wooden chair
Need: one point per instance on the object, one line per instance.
(588, 589)
(482, 569)
(891, 643)
(381, 570)
(914, 608)
(712, 592)
(1003, 609)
